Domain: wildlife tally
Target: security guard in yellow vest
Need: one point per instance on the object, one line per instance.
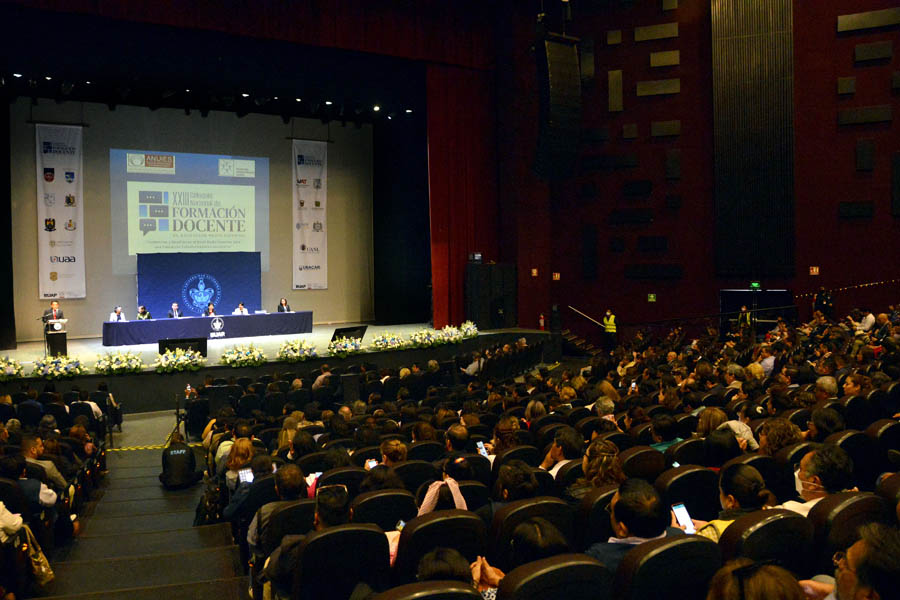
(609, 330)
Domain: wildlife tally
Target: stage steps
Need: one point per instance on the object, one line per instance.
(574, 345)
(137, 542)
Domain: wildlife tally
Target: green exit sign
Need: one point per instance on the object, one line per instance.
(651, 297)
(755, 285)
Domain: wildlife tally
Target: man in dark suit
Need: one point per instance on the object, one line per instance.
(54, 312)
(175, 312)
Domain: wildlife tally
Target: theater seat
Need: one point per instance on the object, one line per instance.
(510, 516)
(431, 590)
(836, 520)
(886, 433)
(331, 562)
(686, 452)
(428, 451)
(779, 478)
(777, 534)
(641, 434)
(481, 468)
(361, 455)
(349, 476)
(868, 461)
(673, 567)
(462, 530)
(858, 412)
(294, 518)
(643, 462)
(527, 454)
(568, 474)
(697, 487)
(384, 508)
(476, 494)
(546, 483)
(415, 472)
(591, 519)
(791, 455)
(889, 489)
(623, 441)
(687, 425)
(569, 576)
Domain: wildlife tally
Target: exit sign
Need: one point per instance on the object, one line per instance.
(651, 297)
(755, 285)
(814, 270)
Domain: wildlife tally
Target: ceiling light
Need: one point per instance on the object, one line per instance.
(48, 78)
(298, 99)
(408, 110)
(17, 75)
(245, 95)
(328, 103)
(376, 108)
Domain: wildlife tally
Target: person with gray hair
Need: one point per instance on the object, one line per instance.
(605, 406)
(734, 376)
(826, 387)
(117, 314)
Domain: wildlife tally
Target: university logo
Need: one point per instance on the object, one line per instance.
(62, 259)
(70, 176)
(317, 203)
(309, 249)
(70, 199)
(217, 324)
(199, 290)
(54, 275)
(302, 202)
(302, 181)
(50, 224)
(49, 174)
(317, 184)
(49, 199)
(70, 225)
(318, 226)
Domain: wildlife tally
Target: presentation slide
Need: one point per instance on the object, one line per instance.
(164, 202)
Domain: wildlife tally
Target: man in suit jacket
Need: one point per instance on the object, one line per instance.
(32, 449)
(175, 313)
(54, 312)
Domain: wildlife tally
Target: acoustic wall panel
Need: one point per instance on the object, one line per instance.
(659, 87)
(669, 58)
(559, 85)
(654, 271)
(856, 210)
(665, 128)
(865, 155)
(614, 37)
(656, 32)
(629, 131)
(873, 51)
(895, 184)
(895, 80)
(753, 136)
(865, 114)
(673, 164)
(846, 85)
(586, 61)
(669, 4)
(616, 95)
(869, 20)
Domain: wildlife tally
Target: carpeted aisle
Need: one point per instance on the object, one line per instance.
(138, 542)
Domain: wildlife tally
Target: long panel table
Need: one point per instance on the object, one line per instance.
(118, 333)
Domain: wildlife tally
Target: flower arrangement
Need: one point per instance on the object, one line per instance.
(10, 369)
(388, 341)
(425, 338)
(296, 350)
(344, 347)
(57, 367)
(118, 363)
(468, 329)
(451, 335)
(179, 360)
(244, 356)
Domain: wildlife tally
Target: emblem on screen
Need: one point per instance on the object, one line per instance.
(199, 290)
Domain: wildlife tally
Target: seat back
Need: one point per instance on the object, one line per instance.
(791, 455)
(361, 455)
(333, 561)
(476, 493)
(459, 529)
(836, 520)
(415, 472)
(643, 462)
(623, 441)
(568, 474)
(778, 477)
(780, 535)
(697, 487)
(510, 516)
(886, 433)
(273, 403)
(29, 414)
(13, 498)
(313, 462)
(528, 454)
(673, 567)
(291, 518)
(349, 476)
(641, 434)
(432, 590)
(686, 452)
(427, 451)
(591, 519)
(889, 489)
(384, 508)
(858, 412)
(868, 461)
(569, 576)
(59, 412)
(687, 424)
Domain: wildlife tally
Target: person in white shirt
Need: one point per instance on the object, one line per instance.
(240, 310)
(10, 523)
(117, 314)
(567, 446)
(474, 367)
(822, 472)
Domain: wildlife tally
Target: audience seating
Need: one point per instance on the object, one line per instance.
(510, 516)
(697, 487)
(427, 450)
(686, 452)
(546, 484)
(29, 415)
(592, 523)
(858, 412)
(569, 474)
(415, 472)
(868, 461)
(836, 520)
(312, 463)
(459, 529)
(481, 468)
(349, 476)
(886, 433)
(289, 519)
(793, 454)
(431, 590)
(687, 425)
(623, 441)
(361, 455)
(641, 434)
(331, 562)
(643, 462)
(569, 576)
(778, 477)
(527, 454)
(672, 567)
(889, 489)
(384, 508)
(776, 534)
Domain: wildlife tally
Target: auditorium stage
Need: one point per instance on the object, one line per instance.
(149, 391)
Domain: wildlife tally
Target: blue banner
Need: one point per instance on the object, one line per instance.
(195, 279)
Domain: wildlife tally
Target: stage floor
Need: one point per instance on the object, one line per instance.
(88, 349)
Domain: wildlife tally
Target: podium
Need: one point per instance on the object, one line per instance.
(55, 336)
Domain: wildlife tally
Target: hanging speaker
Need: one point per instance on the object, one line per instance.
(559, 84)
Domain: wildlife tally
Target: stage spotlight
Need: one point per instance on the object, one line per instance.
(17, 75)
(328, 103)
(87, 83)
(376, 108)
(245, 95)
(298, 99)
(47, 77)
(408, 110)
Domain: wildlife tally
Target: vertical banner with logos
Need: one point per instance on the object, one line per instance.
(60, 211)
(310, 226)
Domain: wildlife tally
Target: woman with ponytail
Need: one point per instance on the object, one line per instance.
(742, 490)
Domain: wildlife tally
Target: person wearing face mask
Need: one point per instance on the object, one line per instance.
(824, 471)
(609, 330)
(742, 491)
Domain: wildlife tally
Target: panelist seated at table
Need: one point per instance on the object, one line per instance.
(117, 314)
(210, 310)
(143, 314)
(175, 313)
(240, 310)
(283, 306)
